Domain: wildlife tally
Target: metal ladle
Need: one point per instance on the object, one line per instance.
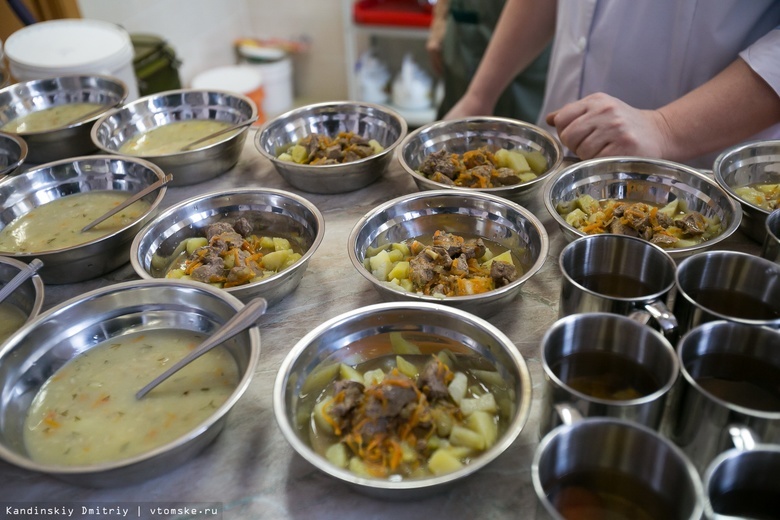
(243, 319)
(128, 201)
(212, 135)
(26, 272)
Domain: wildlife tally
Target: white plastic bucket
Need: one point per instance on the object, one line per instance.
(72, 46)
(241, 79)
(278, 85)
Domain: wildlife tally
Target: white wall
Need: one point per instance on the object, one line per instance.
(202, 33)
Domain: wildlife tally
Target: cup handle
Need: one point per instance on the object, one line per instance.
(658, 311)
(568, 413)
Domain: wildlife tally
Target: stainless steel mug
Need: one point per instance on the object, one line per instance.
(730, 380)
(606, 365)
(617, 274)
(611, 468)
(743, 483)
(771, 248)
(727, 285)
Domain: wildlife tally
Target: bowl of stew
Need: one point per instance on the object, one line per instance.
(43, 210)
(158, 126)
(54, 116)
(247, 241)
(332, 147)
(750, 172)
(494, 155)
(672, 205)
(470, 250)
(401, 400)
(68, 405)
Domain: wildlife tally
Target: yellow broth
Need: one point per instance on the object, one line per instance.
(87, 412)
(49, 118)
(57, 224)
(170, 138)
(11, 319)
(482, 380)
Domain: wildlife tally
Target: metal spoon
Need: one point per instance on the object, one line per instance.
(23, 274)
(243, 319)
(134, 197)
(236, 126)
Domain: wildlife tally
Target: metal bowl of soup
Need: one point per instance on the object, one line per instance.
(426, 154)
(158, 126)
(357, 344)
(159, 250)
(54, 116)
(504, 227)
(332, 164)
(13, 152)
(570, 196)
(750, 173)
(106, 324)
(24, 303)
(42, 212)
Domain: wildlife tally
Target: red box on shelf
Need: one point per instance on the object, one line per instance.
(400, 13)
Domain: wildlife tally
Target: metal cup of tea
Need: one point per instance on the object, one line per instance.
(618, 274)
(610, 468)
(730, 382)
(606, 365)
(743, 483)
(771, 248)
(727, 285)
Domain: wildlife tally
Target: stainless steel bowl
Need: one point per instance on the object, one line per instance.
(41, 347)
(639, 179)
(20, 99)
(21, 193)
(462, 213)
(28, 297)
(745, 164)
(112, 130)
(461, 135)
(273, 212)
(328, 343)
(364, 119)
(13, 152)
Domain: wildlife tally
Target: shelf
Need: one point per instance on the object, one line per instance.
(396, 13)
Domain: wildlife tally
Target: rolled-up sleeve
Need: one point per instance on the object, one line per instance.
(763, 57)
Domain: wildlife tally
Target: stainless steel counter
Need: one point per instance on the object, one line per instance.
(250, 469)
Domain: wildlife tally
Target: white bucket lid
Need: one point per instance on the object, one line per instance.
(70, 45)
(236, 78)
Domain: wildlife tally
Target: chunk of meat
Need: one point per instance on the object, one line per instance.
(242, 227)
(502, 273)
(347, 394)
(217, 229)
(693, 223)
(442, 162)
(434, 378)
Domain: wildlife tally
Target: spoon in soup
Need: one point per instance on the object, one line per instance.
(242, 124)
(128, 201)
(243, 319)
(23, 274)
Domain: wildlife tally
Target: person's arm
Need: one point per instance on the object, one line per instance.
(731, 107)
(436, 32)
(524, 29)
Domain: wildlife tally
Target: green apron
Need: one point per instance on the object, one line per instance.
(470, 25)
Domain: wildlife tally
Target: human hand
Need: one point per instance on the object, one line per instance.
(600, 125)
(468, 106)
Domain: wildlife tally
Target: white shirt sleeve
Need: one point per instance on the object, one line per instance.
(764, 58)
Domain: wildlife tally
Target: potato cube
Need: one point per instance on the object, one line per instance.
(281, 244)
(381, 265)
(407, 368)
(401, 345)
(485, 403)
(460, 436)
(457, 387)
(196, 242)
(338, 455)
(348, 372)
(400, 271)
(319, 412)
(443, 462)
(485, 425)
(537, 161)
(274, 261)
